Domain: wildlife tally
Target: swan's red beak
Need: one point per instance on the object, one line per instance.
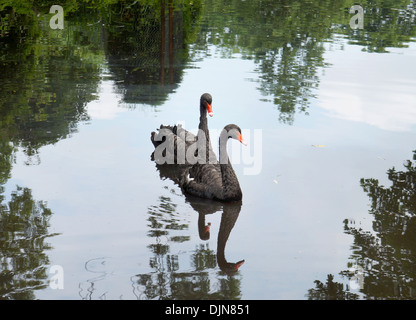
(209, 108)
(240, 138)
(238, 265)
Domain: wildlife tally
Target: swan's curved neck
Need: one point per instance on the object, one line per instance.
(203, 123)
(228, 219)
(203, 131)
(230, 185)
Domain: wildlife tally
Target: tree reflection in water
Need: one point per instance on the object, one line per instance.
(24, 226)
(387, 254)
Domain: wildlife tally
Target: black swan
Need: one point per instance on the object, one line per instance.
(180, 140)
(229, 216)
(215, 181)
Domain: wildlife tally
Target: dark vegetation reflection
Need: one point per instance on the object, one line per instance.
(146, 47)
(383, 260)
(24, 262)
(49, 76)
(46, 79)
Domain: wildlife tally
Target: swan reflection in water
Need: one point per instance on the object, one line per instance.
(230, 213)
(180, 274)
(170, 280)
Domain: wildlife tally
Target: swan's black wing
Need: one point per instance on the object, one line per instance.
(203, 181)
(184, 136)
(176, 142)
(182, 140)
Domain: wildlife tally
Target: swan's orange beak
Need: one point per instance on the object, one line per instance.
(240, 138)
(209, 108)
(238, 265)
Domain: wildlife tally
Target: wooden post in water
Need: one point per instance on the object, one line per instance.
(162, 42)
(171, 41)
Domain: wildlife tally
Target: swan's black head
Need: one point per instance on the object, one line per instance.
(234, 132)
(205, 233)
(206, 102)
(231, 268)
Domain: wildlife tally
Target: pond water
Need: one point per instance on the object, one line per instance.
(328, 177)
